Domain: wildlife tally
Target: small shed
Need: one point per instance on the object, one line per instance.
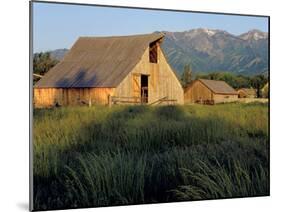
(209, 92)
(105, 70)
(247, 93)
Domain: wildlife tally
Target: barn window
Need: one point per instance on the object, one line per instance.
(153, 52)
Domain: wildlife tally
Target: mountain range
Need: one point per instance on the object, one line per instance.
(209, 50)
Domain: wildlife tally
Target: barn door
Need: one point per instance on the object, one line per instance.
(144, 88)
(137, 86)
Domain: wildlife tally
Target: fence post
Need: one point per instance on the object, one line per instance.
(109, 100)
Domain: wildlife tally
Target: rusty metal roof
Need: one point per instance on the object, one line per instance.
(98, 61)
(218, 86)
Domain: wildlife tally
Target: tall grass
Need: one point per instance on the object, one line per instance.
(98, 156)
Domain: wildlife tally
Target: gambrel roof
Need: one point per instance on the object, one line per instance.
(98, 61)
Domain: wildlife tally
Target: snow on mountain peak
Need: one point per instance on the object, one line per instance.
(254, 35)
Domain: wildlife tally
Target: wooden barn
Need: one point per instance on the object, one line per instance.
(209, 92)
(108, 70)
(247, 93)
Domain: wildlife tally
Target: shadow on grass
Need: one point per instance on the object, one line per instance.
(135, 156)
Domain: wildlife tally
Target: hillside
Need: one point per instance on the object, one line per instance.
(216, 50)
(213, 50)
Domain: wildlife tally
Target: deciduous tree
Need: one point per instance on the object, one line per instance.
(187, 75)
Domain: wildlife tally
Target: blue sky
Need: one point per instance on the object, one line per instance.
(59, 25)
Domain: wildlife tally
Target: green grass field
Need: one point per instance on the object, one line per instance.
(99, 156)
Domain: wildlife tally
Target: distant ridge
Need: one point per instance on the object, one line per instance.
(209, 50)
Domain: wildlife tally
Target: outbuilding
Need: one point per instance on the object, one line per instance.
(206, 91)
(247, 93)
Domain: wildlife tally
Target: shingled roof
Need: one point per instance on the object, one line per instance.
(219, 87)
(98, 61)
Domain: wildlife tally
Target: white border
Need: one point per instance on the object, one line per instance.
(14, 113)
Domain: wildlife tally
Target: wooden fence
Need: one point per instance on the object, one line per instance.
(115, 100)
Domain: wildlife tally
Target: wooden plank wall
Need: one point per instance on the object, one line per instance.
(162, 80)
(162, 83)
(221, 98)
(48, 97)
(198, 91)
(242, 94)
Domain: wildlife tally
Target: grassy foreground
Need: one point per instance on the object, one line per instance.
(99, 156)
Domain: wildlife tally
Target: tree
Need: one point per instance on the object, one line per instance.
(265, 91)
(242, 81)
(235, 81)
(238, 81)
(258, 83)
(186, 75)
(43, 62)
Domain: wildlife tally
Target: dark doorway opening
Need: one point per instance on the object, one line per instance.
(144, 88)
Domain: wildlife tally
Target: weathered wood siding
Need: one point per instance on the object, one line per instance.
(48, 97)
(243, 94)
(197, 91)
(162, 81)
(220, 98)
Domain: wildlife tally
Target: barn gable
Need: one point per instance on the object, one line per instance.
(247, 92)
(209, 92)
(162, 80)
(106, 70)
(98, 62)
